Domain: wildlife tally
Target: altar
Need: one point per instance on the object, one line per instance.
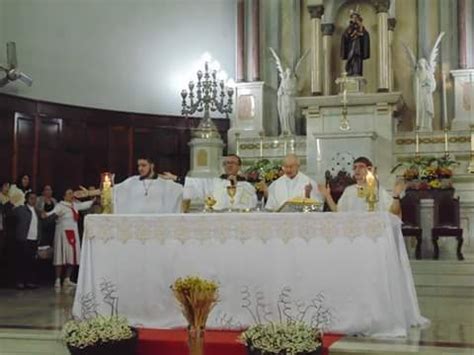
(347, 271)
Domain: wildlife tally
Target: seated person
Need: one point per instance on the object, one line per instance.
(200, 188)
(291, 185)
(354, 200)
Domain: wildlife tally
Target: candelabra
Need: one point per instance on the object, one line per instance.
(209, 96)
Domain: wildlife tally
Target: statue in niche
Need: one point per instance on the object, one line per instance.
(355, 45)
(287, 91)
(424, 84)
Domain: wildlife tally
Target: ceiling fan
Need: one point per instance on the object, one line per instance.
(12, 72)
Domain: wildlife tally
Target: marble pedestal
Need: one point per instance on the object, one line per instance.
(463, 99)
(255, 113)
(206, 156)
(371, 122)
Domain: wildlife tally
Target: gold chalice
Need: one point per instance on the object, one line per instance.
(231, 191)
(209, 203)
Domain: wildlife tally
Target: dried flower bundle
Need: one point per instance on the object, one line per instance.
(197, 297)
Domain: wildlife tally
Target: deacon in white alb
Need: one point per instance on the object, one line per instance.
(353, 198)
(200, 188)
(292, 184)
(147, 193)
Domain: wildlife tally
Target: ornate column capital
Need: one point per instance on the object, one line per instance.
(328, 29)
(381, 5)
(392, 22)
(316, 11)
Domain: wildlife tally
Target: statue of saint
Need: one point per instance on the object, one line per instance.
(355, 45)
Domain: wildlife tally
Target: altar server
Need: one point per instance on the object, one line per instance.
(67, 247)
(147, 192)
(354, 200)
(200, 188)
(290, 185)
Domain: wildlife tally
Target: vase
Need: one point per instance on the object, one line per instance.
(196, 340)
(121, 347)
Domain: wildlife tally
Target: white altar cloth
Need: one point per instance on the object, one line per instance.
(357, 261)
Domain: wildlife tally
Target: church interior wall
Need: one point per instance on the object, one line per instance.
(66, 146)
(123, 55)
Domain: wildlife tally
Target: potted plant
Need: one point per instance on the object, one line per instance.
(287, 338)
(98, 334)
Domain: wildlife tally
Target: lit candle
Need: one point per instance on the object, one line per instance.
(237, 143)
(292, 145)
(344, 97)
(285, 146)
(318, 150)
(445, 103)
(370, 179)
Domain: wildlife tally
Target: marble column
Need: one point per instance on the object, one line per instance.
(240, 62)
(381, 7)
(316, 12)
(391, 28)
(328, 31)
(465, 29)
(255, 15)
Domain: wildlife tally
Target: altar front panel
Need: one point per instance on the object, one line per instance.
(356, 261)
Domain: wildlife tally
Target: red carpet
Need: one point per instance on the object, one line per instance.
(174, 342)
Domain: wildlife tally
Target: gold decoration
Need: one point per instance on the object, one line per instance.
(106, 192)
(371, 191)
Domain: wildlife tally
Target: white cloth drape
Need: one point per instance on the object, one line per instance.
(356, 260)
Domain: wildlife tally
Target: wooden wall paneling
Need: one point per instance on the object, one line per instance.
(96, 152)
(24, 143)
(50, 152)
(118, 161)
(71, 160)
(7, 120)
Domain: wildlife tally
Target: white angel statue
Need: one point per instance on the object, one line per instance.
(287, 92)
(424, 85)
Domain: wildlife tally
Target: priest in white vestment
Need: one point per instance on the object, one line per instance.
(147, 193)
(291, 185)
(354, 200)
(199, 189)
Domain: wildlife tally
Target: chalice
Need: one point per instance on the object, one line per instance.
(209, 203)
(231, 191)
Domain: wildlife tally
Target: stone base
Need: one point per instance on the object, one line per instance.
(353, 84)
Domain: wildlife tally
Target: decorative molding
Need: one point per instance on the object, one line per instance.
(432, 140)
(381, 5)
(316, 11)
(327, 29)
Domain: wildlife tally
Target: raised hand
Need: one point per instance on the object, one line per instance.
(307, 190)
(324, 190)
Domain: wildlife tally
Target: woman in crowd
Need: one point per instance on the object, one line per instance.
(66, 238)
(5, 206)
(18, 190)
(46, 203)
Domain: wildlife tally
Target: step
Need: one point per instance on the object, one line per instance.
(352, 346)
(465, 267)
(31, 342)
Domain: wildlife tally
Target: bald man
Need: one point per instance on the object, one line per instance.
(292, 184)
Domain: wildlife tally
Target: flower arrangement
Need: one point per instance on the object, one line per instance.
(96, 331)
(264, 170)
(100, 334)
(290, 338)
(196, 297)
(423, 173)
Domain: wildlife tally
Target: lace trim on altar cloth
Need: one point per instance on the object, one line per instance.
(242, 227)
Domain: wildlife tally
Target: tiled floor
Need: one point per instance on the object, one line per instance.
(30, 320)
